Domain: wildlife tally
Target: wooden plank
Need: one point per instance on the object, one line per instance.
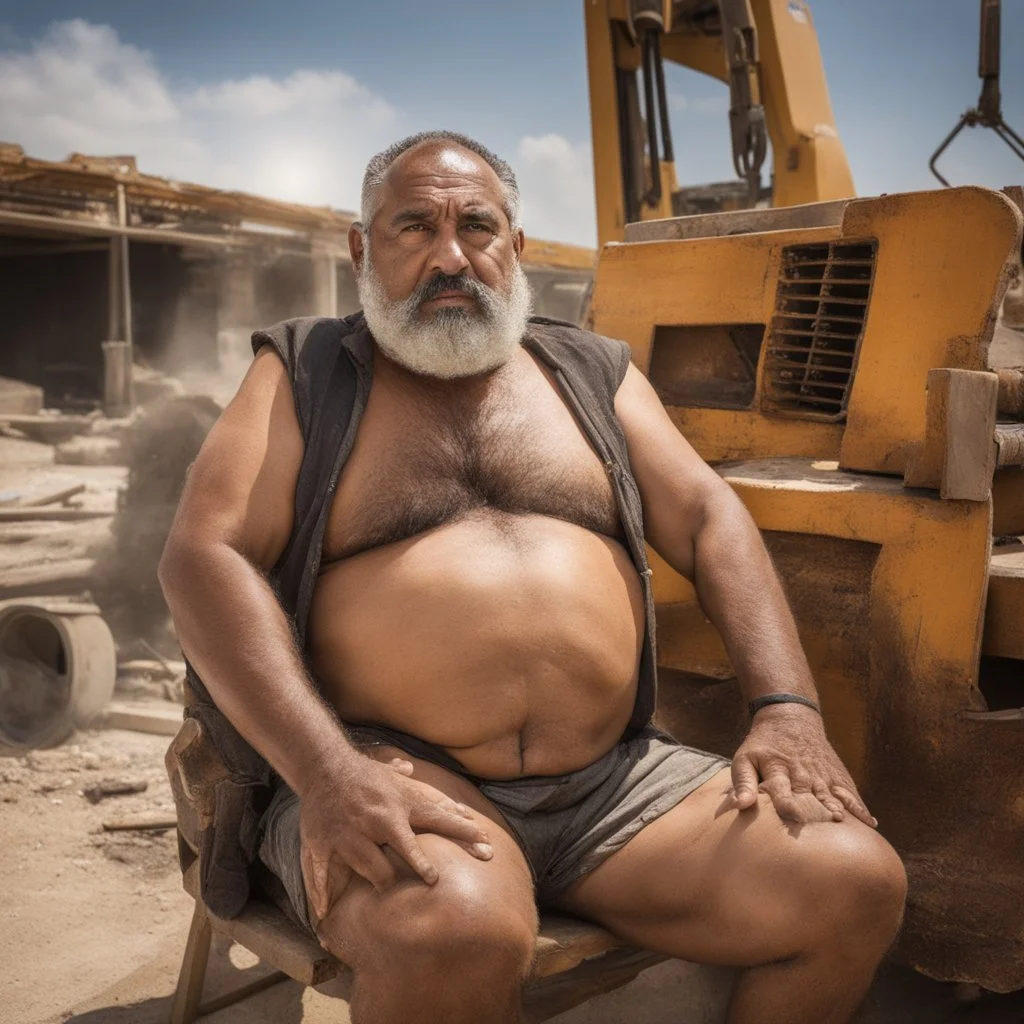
(114, 787)
(565, 942)
(193, 968)
(1010, 444)
(152, 667)
(54, 497)
(49, 429)
(18, 533)
(1011, 391)
(970, 427)
(738, 222)
(152, 718)
(958, 454)
(63, 515)
(57, 605)
(154, 822)
(265, 931)
(57, 577)
(242, 992)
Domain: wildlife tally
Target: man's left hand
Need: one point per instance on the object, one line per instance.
(788, 752)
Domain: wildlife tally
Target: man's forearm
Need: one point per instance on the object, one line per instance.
(740, 593)
(234, 631)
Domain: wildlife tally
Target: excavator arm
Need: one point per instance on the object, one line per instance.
(766, 50)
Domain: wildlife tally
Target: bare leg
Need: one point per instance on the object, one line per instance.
(810, 911)
(458, 951)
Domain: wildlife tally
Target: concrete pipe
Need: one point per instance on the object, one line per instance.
(57, 671)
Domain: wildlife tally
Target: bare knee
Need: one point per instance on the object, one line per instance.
(459, 927)
(860, 882)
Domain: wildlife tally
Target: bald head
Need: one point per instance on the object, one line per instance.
(454, 152)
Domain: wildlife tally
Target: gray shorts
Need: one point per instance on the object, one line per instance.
(566, 825)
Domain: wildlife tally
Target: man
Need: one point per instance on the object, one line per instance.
(474, 606)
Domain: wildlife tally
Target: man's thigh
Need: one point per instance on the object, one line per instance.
(709, 883)
(501, 887)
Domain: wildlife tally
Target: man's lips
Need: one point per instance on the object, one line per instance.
(450, 297)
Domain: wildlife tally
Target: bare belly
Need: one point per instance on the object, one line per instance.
(513, 642)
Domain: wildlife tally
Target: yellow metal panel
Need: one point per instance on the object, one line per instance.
(707, 281)
(693, 50)
(938, 277)
(926, 595)
(604, 121)
(940, 269)
(810, 162)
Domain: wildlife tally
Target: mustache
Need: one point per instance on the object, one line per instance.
(439, 284)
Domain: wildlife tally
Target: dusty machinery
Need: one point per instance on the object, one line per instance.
(767, 51)
(832, 361)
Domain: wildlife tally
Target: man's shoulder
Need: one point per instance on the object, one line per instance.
(309, 334)
(577, 350)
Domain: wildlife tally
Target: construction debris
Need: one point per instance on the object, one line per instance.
(51, 427)
(113, 787)
(141, 823)
(19, 398)
(161, 718)
(61, 496)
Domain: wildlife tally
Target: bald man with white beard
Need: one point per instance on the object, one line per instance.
(463, 728)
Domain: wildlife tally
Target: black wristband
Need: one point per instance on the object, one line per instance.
(779, 698)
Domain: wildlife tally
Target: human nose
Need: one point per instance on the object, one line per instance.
(447, 255)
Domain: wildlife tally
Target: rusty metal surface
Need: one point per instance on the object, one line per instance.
(888, 587)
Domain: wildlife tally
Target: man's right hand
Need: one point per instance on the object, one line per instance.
(349, 814)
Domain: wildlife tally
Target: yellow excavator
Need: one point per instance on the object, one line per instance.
(767, 52)
(833, 357)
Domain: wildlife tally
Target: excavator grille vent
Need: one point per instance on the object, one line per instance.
(820, 309)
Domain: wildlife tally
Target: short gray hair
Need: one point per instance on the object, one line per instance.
(377, 167)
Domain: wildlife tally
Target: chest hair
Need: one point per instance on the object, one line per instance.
(508, 450)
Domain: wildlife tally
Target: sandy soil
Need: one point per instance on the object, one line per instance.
(94, 922)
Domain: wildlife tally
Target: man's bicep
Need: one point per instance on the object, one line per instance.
(241, 488)
(674, 481)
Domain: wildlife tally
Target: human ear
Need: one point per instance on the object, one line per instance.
(355, 246)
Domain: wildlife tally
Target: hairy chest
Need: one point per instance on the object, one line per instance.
(428, 455)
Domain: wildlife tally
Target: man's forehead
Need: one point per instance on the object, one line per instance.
(442, 171)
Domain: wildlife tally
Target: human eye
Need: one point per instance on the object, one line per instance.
(478, 229)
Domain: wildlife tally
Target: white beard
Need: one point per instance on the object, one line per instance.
(453, 341)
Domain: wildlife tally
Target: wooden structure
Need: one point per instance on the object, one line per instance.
(103, 266)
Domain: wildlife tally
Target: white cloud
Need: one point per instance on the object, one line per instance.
(305, 137)
(556, 179)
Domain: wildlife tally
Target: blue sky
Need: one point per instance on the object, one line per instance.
(291, 99)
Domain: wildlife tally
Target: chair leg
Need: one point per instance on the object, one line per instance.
(193, 968)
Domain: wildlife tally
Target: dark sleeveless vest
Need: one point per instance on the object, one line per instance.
(330, 364)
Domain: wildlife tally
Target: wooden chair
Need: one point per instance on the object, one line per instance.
(574, 960)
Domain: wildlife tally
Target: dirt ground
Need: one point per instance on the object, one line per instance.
(94, 922)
